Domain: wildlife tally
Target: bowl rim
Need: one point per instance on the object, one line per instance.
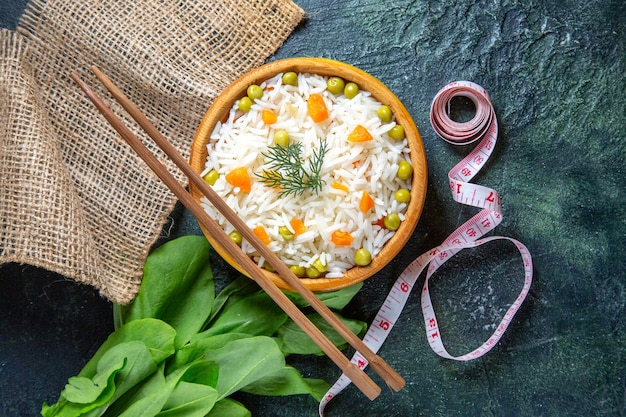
(220, 107)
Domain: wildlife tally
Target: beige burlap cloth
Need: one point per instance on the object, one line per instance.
(74, 199)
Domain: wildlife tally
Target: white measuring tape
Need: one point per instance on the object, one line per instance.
(483, 126)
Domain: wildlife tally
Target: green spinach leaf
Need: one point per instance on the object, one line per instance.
(83, 390)
(240, 287)
(157, 335)
(335, 300)
(146, 399)
(82, 394)
(189, 400)
(254, 314)
(189, 389)
(118, 370)
(200, 345)
(194, 395)
(139, 365)
(243, 361)
(177, 287)
(287, 381)
(293, 340)
(227, 407)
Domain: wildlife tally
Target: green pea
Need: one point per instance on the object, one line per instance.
(351, 90)
(244, 104)
(335, 85)
(298, 270)
(285, 233)
(402, 195)
(236, 237)
(254, 92)
(317, 264)
(312, 272)
(397, 132)
(362, 257)
(268, 267)
(211, 177)
(384, 113)
(281, 138)
(290, 78)
(392, 221)
(405, 170)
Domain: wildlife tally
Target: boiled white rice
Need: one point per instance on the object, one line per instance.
(369, 166)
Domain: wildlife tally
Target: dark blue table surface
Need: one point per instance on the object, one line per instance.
(555, 72)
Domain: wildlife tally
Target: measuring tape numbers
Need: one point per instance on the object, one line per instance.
(483, 127)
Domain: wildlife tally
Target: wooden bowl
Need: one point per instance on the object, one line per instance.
(220, 108)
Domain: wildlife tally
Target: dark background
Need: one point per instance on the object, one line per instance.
(555, 72)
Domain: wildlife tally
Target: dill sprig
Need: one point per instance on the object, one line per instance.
(286, 169)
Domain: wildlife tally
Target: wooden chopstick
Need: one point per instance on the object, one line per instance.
(391, 377)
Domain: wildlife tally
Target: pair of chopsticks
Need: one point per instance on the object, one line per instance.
(356, 375)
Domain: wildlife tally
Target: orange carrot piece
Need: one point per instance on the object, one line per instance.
(239, 177)
(339, 186)
(269, 117)
(366, 202)
(341, 238)
(298, 226)
(360, 134)
(261, 233)
(317, 108)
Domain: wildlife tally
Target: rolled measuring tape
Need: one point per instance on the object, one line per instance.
(484, 127)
